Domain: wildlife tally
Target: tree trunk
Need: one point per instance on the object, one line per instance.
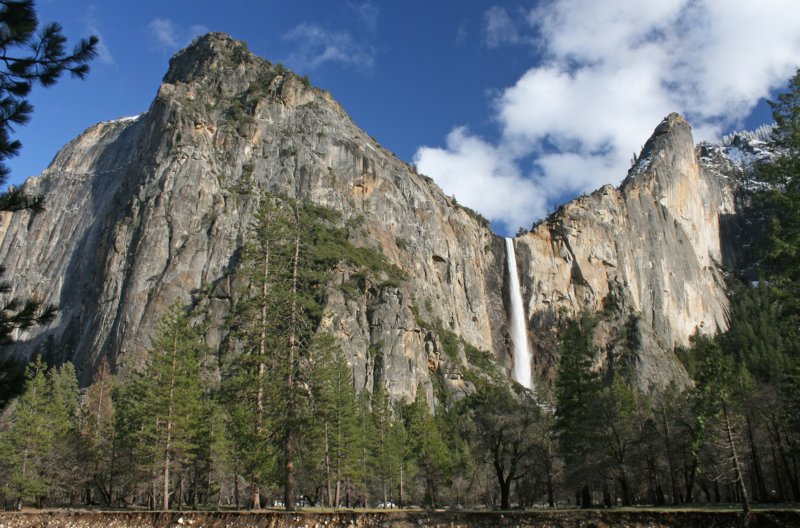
(776, 469)
(255, 490)
(586, 497)
(179, 494)
(689, 475)
(255, 497)
(288, 494)
(168, 439)
(550, 491)
(328, 487)
(673, 479)
(607, 500)
(623, 484)
(505, 494)
(236, 485)
(402, 501)
(735, 459)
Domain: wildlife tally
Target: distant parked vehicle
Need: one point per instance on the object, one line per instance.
(387, 505)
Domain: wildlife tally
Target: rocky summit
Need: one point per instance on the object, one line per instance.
(147, 211)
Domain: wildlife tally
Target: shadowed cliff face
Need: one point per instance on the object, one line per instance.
(148, 211)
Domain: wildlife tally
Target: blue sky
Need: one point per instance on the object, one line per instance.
(512, 107)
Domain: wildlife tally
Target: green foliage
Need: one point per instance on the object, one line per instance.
(17, 314)
(783, 201)
(431, 456)
(97, 432)
(577, 392)
(333, 429)
(507, 432)
(30, 57)
(390, 456)
(449, 342)
(364, 446)
(716, 374)
(754, 339)
(475, 215)
(40, 433)
(287, 267)
(159, 428)
(26, 445)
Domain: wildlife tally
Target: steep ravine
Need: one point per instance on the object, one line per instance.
(147, 211)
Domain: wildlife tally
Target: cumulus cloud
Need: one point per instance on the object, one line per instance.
(607, 74)
(479, 173)
(317, 45)
(168, 36)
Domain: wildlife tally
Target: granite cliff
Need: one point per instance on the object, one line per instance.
(145, 211)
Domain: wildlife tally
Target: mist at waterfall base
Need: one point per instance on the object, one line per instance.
(519, 337)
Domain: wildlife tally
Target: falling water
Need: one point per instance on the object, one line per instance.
(519, 336)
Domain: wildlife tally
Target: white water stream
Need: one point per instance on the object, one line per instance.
(519, 334)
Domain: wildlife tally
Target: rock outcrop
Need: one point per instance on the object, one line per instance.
(146, 211)
(649, 250)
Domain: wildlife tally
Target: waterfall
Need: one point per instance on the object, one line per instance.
(519, 334)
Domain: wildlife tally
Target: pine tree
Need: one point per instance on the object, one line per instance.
(333, 425)
(285, 269)
(781, 269)
(175, 395)
(390, 446)
(619, 432)
(38, 442)
(577, 395)
(363, 449)
(433, 459)
(132, 457)
(97, 434)
(717, 418)
(157, 412)
(63, 415)
(28, 439)
(28, 59)
(257, 331)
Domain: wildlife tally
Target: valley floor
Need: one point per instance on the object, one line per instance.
(630, 518)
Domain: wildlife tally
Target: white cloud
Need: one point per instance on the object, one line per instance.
(461, 34)
(367, 13)
(167, 36)
(500, 28)
(103, 53)
(475, 172)
(93, 26)
(317, 45)
(608, 72)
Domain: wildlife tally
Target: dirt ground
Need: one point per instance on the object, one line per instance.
(401, 519)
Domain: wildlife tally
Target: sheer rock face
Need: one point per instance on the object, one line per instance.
(649, 249)
(142, 213)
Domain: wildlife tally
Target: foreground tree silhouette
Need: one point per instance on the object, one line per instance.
(28, 57)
